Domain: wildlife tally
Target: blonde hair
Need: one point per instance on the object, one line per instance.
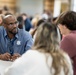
(46, 41)
(35, 20)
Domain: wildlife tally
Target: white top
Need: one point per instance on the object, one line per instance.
(34, 63)
(4, 65)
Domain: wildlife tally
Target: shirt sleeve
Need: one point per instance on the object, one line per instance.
(68, 46)
(29, 43)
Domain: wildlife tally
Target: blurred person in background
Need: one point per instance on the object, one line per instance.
(47, 15)
(1, 11)
(1, 16)
(6, 9)
(33, 30)
(8, 13)
(44, 15)
(1, 20)
(67, 25)
(21, 22)
(34, 22)
(45, 58)
(27, 22)
(13, 41)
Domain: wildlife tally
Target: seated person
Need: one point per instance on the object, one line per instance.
(67, 25)
(45, 58)
(13, 41)
(21, 22)
(27, 22)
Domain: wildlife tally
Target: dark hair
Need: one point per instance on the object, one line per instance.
(68, 19)
(6, 8)
(20, 19)
(21, 22)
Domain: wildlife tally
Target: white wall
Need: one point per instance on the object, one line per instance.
(73, 5)
(30, 7)
(57, 8)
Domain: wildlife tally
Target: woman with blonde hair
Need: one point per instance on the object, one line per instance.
(45, 57)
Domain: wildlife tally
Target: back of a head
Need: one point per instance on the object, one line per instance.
(68, 19)
(46, 41)
(35, 20)
(5, 18)
(47, 37)
(21, 22)
(24, 15)
(20, 19)
(40, 22)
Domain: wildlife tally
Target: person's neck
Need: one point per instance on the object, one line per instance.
(67, 32)
(10, 35)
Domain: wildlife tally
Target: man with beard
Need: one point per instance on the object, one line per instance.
(13, 41)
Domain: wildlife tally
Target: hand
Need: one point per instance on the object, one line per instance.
(15, 56)
(5, 56)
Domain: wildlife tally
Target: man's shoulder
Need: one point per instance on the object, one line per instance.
(1, 29)
(21, 31)
(24, 33)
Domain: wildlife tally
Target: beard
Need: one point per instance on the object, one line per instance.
(13, 31)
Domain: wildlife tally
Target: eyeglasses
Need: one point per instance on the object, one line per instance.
(11, 24)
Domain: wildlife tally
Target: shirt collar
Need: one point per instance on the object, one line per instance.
(5, 33)
(74, 31)
(16, 35)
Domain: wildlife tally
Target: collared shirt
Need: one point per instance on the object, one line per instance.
(19, 44)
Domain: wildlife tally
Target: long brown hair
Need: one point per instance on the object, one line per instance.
(46, 41)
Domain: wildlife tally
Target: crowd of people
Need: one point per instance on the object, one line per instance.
(40, 46)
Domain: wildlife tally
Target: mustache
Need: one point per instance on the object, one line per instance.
(13, 32)
(14, 28)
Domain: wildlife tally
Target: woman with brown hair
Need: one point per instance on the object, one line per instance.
(45, 57)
